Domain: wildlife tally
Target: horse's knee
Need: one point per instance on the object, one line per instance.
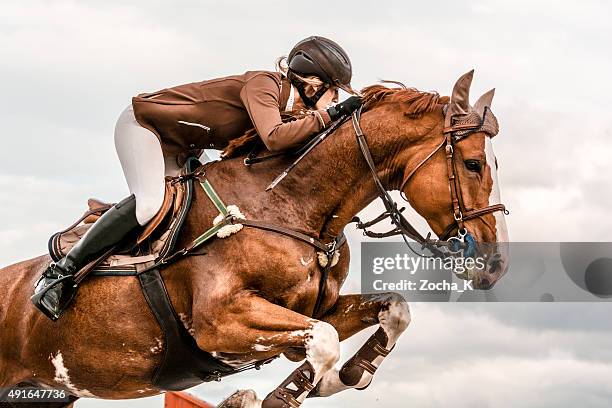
(323, 346)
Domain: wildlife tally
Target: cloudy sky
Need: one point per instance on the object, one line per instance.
(68, 69)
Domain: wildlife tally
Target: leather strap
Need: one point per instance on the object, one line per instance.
(352, 371)
(301, 381)
(317, 243)
(183, 363)
(403, 226)
(307, 148)
(328, 248)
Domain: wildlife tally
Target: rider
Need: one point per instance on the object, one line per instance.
(160, 128)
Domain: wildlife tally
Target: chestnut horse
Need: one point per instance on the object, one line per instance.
(252, 296)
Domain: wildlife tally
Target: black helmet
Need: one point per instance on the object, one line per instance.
(324, 58)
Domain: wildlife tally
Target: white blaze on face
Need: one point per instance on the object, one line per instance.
(501, 231)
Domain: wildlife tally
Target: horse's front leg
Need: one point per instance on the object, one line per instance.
(351, 314)
(253, 327)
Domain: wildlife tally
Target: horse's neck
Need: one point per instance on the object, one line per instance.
(335, 182)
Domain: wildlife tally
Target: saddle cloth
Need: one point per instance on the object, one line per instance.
(155, 240)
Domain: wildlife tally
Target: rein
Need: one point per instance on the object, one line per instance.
(301, 152)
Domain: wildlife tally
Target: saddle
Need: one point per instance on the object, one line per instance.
(139, 251)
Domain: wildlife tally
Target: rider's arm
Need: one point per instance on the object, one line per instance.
(261, 97)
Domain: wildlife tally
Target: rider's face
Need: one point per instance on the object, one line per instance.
(329, 98)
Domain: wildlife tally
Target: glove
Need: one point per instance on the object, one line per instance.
(345, 107)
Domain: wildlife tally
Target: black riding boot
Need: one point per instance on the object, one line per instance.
(56, 287)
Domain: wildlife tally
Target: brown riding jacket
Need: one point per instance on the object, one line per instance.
(208, 114)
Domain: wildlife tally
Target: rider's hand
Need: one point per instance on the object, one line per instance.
(345, 107)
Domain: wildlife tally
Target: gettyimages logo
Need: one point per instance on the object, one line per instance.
(413, 265)
(537, 272)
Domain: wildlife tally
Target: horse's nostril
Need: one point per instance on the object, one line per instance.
(495, 263)
(494, 267)
(485, 284)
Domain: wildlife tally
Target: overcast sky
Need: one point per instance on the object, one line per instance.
(69, 68)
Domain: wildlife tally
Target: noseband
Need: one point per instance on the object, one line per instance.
(452, 134)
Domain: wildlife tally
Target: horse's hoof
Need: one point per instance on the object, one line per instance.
(241, 399)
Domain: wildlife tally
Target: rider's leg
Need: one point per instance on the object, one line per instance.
(142, 161)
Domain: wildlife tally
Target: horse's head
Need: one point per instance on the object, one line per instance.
(454, 184)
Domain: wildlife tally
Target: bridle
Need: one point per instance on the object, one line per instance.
(453, 132)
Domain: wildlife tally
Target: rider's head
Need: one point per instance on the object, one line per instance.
(317, 66)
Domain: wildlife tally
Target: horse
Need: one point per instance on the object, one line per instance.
(253, 295)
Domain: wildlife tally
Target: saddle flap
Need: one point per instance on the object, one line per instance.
(160, 216)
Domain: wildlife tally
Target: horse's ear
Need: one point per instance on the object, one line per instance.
(484, 101)
(460, 99)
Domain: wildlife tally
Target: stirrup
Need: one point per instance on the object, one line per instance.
(68, 294)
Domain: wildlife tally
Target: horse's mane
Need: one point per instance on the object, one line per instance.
(414, 103)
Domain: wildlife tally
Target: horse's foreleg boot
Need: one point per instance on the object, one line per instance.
(352, 371)
(295, 386)
(56, 288)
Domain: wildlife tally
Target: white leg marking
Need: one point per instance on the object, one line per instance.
(243, 399)
(62, 377)
(395, 319)
(331, 383)
(322, 348)
(261, 347)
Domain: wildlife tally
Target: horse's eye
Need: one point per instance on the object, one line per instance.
(473, 165)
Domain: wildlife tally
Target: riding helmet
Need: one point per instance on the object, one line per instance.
(324, 58)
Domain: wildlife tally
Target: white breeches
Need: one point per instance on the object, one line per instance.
(143, 164)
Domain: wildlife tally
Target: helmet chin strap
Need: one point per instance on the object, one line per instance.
(309, 101)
